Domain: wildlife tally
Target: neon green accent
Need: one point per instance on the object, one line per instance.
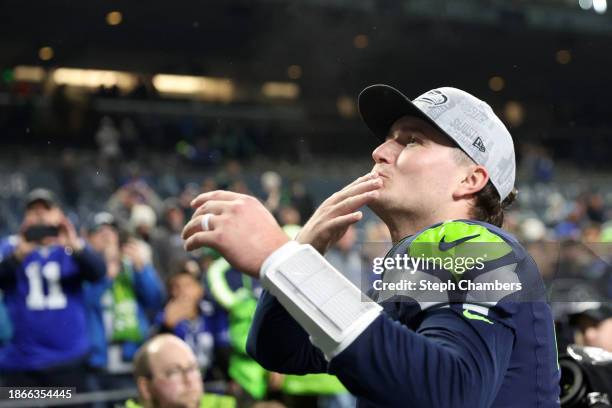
(312, 384)
(427, 245)
(292, 230)
(471, 316)
(207, 401)
(125, 306)
(242, 368)
(219, 288)
(240, 305)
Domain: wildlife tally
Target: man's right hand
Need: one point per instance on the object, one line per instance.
(331, 220)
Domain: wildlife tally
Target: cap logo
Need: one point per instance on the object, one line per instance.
(479, 144)
(434, 98)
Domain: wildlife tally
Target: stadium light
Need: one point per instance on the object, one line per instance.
(600, 6)
(27, 73)
(91, 78)
(497, 83)
(280, 90)
(294, 72)
(114, 18)
(45, 53)
(346, 106)
(214, 89)
(514, 113)
(585, 4)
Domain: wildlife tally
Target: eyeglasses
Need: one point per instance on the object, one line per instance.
(174, 373)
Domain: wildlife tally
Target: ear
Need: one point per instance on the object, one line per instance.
(474, 179)
(142, 383)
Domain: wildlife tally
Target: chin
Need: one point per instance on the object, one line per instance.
(378, 206)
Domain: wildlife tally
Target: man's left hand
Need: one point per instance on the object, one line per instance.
(241, 229)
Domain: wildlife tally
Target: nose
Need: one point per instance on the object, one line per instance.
(386, 152)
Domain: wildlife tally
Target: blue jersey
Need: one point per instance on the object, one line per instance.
(205, 334)
(44, 298)
(449, 347)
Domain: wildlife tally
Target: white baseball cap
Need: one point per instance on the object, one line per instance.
(465, 119)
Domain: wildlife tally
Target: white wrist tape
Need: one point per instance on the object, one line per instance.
(325, 303)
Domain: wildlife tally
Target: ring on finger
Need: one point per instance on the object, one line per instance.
(206, 221)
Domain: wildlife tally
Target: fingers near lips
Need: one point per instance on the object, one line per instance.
(352, 203)
(360, 188)
(363, 178)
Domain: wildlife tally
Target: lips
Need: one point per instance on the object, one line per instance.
(381, 174)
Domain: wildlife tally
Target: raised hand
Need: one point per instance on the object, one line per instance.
(239, 227)
(331, 220)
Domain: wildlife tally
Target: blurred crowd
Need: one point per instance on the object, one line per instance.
(100, 283)
(94, 292)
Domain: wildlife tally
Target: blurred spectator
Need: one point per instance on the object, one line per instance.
(42, 284)
(237, 294)
(591, 232)
(271, 183)
(376, 241)
(538, 163)
(570, 227)
(119, 303)
(167, 375)
(107, 138)
(144, 89)
(594, 325)
(143, 222)
(187, 315)
(288, 215)
(301, 200)
(68, 175)
(122, 201)
(191, 191)
(209, 184)
(239, 186)
(595, 208)
(531, 230)
(130, 138)
(166, 242)
(345, 256)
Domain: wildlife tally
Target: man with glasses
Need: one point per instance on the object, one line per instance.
(167, 375)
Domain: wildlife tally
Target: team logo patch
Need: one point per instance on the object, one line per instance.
(434, 98)
(479, 144)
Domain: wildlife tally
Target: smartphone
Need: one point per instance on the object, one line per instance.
(39, 232)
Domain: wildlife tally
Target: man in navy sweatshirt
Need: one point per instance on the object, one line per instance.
(460, 318)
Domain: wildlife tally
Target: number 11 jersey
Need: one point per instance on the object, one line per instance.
(44, 299)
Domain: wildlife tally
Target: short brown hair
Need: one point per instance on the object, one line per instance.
(487, 205)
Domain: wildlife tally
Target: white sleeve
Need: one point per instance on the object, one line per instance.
(326, 304)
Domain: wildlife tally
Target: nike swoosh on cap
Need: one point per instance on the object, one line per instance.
(445, 246)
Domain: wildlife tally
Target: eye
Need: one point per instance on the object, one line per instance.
(409, 139)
